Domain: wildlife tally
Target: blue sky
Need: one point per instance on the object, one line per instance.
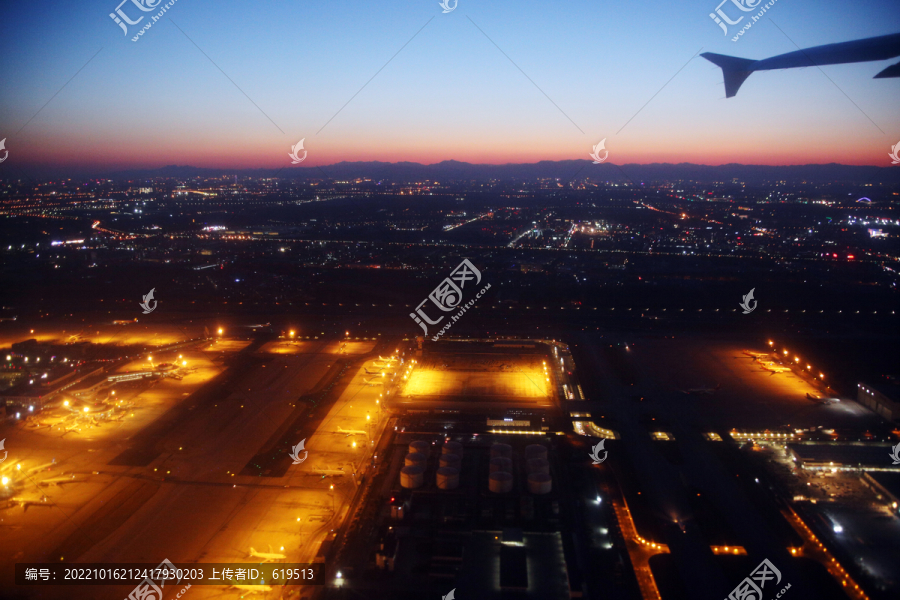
(450, 93)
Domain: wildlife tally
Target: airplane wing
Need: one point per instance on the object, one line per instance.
(735, 70)
(891, 71)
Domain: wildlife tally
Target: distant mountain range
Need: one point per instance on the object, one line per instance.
(564, 170)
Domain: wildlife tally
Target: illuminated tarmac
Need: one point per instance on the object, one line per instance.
(459, 379)
(749, 397)
(149, 331)
(190, 503)
(659, 370)
(292, 346)
(450, 383)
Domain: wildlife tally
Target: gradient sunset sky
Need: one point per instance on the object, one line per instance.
(450, 93)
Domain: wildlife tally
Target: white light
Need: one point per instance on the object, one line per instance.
(838, 528)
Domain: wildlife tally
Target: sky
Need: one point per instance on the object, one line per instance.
(234, 84)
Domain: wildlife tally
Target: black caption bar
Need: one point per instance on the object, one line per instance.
(153, 574)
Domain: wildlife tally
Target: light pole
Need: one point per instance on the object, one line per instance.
(332, 498)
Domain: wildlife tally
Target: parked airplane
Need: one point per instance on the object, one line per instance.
(266, 556)
(375, 381)
(60, 480)
(825, 401)
(770, 366)
(15, 477)
(708, 391)
(737, 70)
(329, 472)
(376, 372)
(37, 469)
(350, 432)
(389, 359)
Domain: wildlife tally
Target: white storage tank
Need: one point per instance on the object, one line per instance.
(501, 450)
(500, 482)
(450, 460)
(412, 477)
(415, 458)
(501, 464)
(452, 448)
(539, 483)
(419, 446)
(538, 465)
(535, 451)
(447, 478)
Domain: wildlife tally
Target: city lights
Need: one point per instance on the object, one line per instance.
(501, 452)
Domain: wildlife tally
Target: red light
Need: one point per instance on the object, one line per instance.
(834, 255)
(850, 256)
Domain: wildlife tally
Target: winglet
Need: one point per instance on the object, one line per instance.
(891, 71)
(735, 70)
